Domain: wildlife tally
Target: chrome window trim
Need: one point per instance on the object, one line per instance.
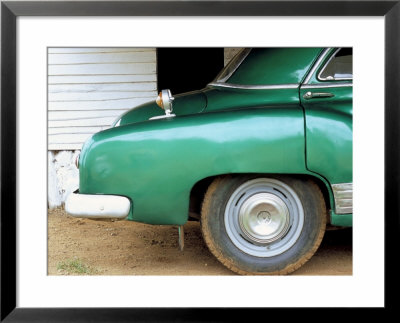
(223, 80)
(317, 64)
(343, 195)
(326, 85)
(256, 87)
(319, 78)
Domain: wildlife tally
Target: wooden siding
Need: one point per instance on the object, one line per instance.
(88, 88)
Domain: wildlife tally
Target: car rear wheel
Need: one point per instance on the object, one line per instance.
(263, 225)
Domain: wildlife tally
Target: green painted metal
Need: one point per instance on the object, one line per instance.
(220, 98)
(219, 130)
(341, 220)
(266, 66)
(156, 163)
(329, 128)
(329, 134)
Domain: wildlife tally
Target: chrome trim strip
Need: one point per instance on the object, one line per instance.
(234, 68)
(326, 64)
(255, 87)
(164, 116)
(320, 85)
(343, 194)
(316, 64)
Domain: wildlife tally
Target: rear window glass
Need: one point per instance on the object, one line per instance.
(340, 67)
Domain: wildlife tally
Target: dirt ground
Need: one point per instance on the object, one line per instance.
(89, 247)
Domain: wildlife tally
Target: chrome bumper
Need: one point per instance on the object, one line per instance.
(97, 206)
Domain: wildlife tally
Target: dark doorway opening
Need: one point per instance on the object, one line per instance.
(187, 69)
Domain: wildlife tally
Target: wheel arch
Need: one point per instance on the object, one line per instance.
(199, 189)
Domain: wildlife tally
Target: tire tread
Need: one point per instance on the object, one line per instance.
(208, 238)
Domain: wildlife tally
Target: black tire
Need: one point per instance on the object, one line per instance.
(237, 208)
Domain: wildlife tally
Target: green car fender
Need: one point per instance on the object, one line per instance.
(157, 162)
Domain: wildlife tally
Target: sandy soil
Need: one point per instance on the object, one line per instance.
(129, 248)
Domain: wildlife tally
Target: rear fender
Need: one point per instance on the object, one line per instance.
(156, 163)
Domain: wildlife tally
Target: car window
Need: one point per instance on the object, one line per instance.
(339, 67)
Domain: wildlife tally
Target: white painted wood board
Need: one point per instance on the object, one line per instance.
(88, 88)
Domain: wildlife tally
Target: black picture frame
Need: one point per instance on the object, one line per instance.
(10, 10)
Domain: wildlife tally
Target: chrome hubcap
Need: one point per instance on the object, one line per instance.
(264, 218)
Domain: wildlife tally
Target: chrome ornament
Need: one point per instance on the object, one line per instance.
(343, 194)
(164, 101)
(77, 160)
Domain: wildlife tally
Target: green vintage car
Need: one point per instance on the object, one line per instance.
(262, 157)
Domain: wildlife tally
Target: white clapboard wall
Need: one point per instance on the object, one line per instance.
(88, 88)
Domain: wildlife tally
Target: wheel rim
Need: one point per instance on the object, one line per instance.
(264, 217)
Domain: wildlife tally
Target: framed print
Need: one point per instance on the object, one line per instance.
(32, 30)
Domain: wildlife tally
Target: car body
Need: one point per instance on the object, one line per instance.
(282, 115)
